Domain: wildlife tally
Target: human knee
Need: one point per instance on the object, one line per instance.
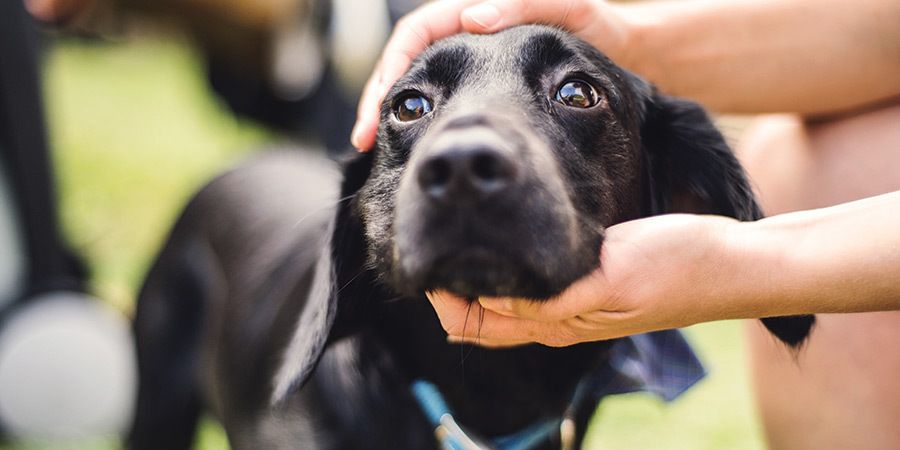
(795, 164)
(775, 152)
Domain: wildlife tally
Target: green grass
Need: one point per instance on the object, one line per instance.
(718, 413)
(135, 131)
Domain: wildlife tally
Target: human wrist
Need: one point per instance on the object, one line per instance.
(759, 270)
(839, 259)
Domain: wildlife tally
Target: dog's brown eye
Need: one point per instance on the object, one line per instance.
(411, 107)
(577, 94)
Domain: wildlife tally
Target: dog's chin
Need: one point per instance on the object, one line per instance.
(483, 273)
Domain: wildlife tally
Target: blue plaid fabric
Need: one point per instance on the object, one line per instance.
(661, 363)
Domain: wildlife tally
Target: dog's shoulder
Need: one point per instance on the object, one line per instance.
(265, 223)
(275, 200)
(271, 189)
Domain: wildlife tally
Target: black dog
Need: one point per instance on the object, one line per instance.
(297, 316)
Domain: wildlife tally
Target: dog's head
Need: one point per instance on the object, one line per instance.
(502, 158)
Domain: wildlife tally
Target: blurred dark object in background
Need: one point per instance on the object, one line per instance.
(295, 65)
(66, 369)
(30, 218)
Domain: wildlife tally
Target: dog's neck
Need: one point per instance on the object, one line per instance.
(451, 435)
(495, 392)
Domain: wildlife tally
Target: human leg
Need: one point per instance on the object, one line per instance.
(841, 391)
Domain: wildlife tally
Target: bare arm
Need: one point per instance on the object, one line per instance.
(678, 270)
(841, 259)
(809, 56)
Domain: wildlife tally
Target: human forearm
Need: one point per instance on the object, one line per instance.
(840, 259)
(809, 56)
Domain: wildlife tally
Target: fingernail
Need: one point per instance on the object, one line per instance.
(456, 339)
(363, 124)
(486, 15)
(354, 136)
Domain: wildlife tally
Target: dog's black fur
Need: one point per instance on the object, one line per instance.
(298, 317)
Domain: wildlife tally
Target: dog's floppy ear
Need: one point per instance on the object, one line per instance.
(690, 168)
(330, 310)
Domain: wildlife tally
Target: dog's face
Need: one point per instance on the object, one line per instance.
(501, 160)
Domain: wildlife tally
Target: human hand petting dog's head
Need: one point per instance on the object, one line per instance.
(596, 22)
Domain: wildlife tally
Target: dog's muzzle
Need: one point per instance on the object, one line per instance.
(482, 210)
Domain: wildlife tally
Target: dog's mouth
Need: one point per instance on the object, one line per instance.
(473, 272)
(481, 271)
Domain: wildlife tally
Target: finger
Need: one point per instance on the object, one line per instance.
(366, 127)
(461, 318)
(495, 15)
(412, 34)
(589, 294)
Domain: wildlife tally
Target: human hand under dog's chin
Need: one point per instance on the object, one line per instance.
(655, 273)
(594, 21)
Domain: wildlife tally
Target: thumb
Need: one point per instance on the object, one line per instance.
(495, 15)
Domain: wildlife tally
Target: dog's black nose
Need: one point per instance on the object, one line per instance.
(474, 171)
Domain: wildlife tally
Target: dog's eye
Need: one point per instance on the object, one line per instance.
(411, 107)
(577, 94)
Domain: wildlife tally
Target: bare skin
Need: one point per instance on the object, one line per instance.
(835, 61)
(53, 11)
(247, 13)
(843, 393)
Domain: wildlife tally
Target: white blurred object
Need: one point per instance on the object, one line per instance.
(12, 256)
(298, 62)
(359, 29)
(67, 370)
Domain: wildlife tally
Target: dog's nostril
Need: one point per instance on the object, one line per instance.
(490, 168)
(435, 175)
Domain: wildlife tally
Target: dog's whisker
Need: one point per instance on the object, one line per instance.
(478, 329)
(350, 281)
(396, 299)
(330, 205)
(463, 355)
(480, 324)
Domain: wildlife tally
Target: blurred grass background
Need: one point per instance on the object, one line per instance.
(135, 130)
